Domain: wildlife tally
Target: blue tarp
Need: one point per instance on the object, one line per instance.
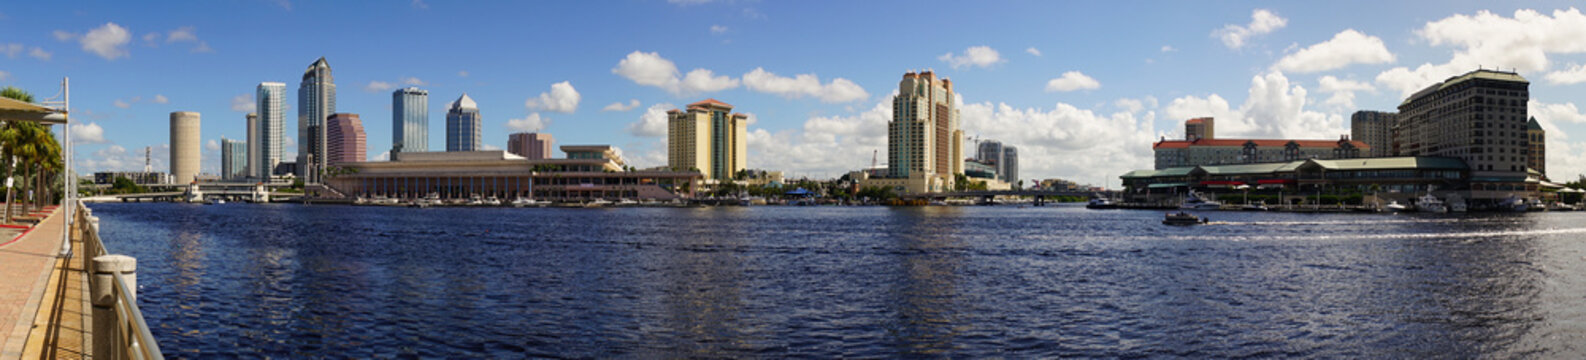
(799, 192)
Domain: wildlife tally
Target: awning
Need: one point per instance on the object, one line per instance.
(17, 110)
(1166, 185)
(1274, 181)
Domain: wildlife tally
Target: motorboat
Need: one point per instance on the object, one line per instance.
(597, 203)
(1430, 204)
(1560, 206)
(1512, 203)
(627, 202)
(522, 202)
(1101, 203)
(1256, 206)
(492, 201)
(1182, 219)
(1535, 205)
(1195, 202)
(1457, 204)
(1395, 206)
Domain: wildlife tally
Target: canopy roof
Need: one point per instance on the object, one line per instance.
(17, 110)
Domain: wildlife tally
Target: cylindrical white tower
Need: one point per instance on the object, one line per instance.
(184, 146)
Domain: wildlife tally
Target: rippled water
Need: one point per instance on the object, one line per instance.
(281, 280)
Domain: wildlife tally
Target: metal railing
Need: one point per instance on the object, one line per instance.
(127, 333)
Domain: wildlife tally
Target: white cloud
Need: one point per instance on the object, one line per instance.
(185, 33)
(839, 90)
(151, 39)
(63, 35)
(1168, 49)
(413, 81)
(981, 56)
(243, 103)
(619, 106)
(108, 41)
(1274, 109)
(531, 123)
(160, 99)
(384, 156)
(1575, 74)
(1135, 105)
(718, 29)
(563, 98)
(1555, 113)
(203, 47)
(419, 4)
(117, 158)
(12, 50)
(89, 133)
(650, 69)
(122, 104)
(1262, 21)
(1033, 51)
(462, 73)
(1072, 80)
(378, 86)
(1520, 43)
(652, 123)
(1343, 90)
(212, 145)
(40, 54)
(1346, 48)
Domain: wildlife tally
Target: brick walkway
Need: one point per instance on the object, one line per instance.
(25, 269)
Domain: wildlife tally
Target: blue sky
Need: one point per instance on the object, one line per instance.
(1081, 88)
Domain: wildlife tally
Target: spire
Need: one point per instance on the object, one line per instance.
(465, 103)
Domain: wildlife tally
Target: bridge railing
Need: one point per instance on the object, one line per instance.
(119, 331)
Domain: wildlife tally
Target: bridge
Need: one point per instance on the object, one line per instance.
(198, 192)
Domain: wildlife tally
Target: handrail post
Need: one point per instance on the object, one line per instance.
(106, 322)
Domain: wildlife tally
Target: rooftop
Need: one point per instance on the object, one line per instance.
(712, 102)
(465, 103)
(1180, 144)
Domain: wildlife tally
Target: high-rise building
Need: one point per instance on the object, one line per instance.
(270, 100)
(1536, 154)
(184, 146)
(251, 155)
(463, 125)
(1375, 128)
(410, 120)
(708, 137)
(1003, 159)
(532, 146)
(1478, 117)
(1200, 128)
(344, 139)
(233, 159)
(923, 138)
(316, 100)
(1009, 165)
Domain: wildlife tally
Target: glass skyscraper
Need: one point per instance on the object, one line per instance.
(463, 125)
(410, 120)
(233, 159)
(316, 100)
(269, 99)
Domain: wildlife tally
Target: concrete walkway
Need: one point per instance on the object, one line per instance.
(26, 269)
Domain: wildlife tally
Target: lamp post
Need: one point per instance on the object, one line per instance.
(69, 184)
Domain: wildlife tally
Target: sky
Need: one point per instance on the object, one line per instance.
(1082, 88)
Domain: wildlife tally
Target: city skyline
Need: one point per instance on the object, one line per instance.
(1079, 106)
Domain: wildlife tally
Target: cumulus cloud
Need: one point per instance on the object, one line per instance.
(160, 99)
(63, 35)
(1522, 42)
(122, 103)
(1262, 21)
(839, 90)
(979, 56)
(1575, 74)
(532, 123)
(117, 158)
(108, 41)
(1072, 80)
(185, 33)
(1555, 113)
(652, 123)
(38, 53)
(243, 103)
(1343, 90)
(563, 98)
(1274, 109)
(718, 29)
(650, 69)
(378, 86)
(413, 81)
(1346, 48)
(212, 145)
(1168, 49)
(1033, 51)
(620, 106)
(89, 133)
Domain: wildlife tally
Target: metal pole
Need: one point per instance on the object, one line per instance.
(70, 183)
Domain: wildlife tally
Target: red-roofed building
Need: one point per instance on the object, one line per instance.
(1211, 151)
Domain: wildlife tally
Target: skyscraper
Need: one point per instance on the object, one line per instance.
(345, 139)
(530, 145)
(1200, 128)
(270, 102)
(1478, 117)
(410, 120)
(1374, 128)
(1003, 158)
(1536, 154)
(708, 137)
(923, 138)
(316, 100)
(233, 159)
(251, 155)
(184, 146)
(463, 125)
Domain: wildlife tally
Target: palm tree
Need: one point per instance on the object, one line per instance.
(10, 136)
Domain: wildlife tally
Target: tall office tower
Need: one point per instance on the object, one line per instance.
(1009, 166)
(251, 156)
(463, 125)
(1200, 128)
(1375, 128)
(708, 137)
(316, 100)
(530, 145)
(345, 139)
(184, 146)
(270, 100)
(1478, 117)
(410, 121)
(233, 159)
(923, 137)
(1536, 154)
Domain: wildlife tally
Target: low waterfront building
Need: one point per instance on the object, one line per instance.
(1393, 177)
(588, 172)
(1201, 147)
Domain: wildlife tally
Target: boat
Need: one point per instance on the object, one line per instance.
(1535, 205)
(1101, 203)
(521, 202)
(1395, 206)
(597, 203)
(627, 202)
(493, 201)
(1182, 219)
(1256, 206)
(1193, 201)
(1457, 204)
(1430, 204)
(214, 201)
(1559, 206)
(420, 203)
(1512, 203)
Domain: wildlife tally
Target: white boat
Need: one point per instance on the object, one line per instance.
(1512, 203)
(1395, 206)
(1535, 205)
(1256, 206)
(1431, 204)
(493, 201)
(1182, 219)
(1559, 206)
(627, 202)
(1101, 203)
(521, 202)
(1195, 202)
(1457, 204)
(597, 203)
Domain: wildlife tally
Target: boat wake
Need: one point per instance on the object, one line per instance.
(1372, 236)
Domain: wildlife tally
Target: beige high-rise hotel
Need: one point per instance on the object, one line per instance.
(708, 137)
(924, 142)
